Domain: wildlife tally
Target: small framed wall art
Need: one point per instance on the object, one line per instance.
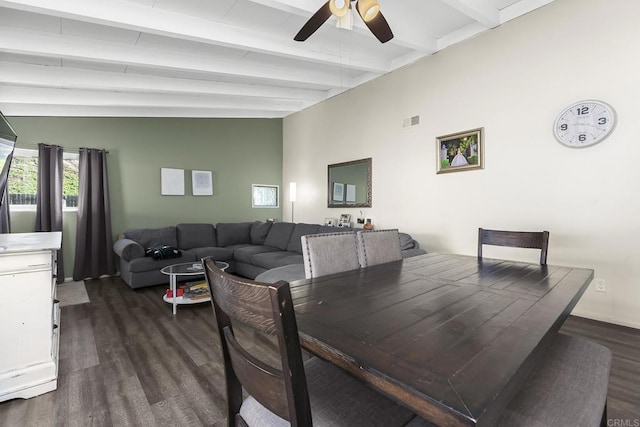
(460, 151)
(202, 183)
(265, 196)
(171, 182)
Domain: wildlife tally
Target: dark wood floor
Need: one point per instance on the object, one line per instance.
(125, 360)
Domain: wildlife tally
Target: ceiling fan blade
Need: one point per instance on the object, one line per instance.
(318, 18)
(378, 26)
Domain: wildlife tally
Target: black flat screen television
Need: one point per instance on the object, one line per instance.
(7, 144)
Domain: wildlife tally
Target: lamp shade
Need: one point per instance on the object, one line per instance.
(339, 7)
(368, 9)
(292, 191)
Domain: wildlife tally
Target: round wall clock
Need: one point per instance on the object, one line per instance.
(584, 123)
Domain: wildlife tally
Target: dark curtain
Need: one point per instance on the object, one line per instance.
(5, 222)
(94, 253)
(49, 195)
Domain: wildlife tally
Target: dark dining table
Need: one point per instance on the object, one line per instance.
(449, 336)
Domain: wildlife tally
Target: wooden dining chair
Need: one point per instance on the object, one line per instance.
(378, 247)
(567, 388)
(295, 393)
(329, 253)
(517, 239)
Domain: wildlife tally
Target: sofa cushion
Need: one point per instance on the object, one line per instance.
(259, 232)
(233, 233)
(301, 229)
(218, 254)
(141, 265)
(245, 253)
(292, 259)
(270, 259)
(195, 235)
(406, 241)
(279, 235)
(149, 237)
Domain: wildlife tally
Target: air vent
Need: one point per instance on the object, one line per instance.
(411, 121)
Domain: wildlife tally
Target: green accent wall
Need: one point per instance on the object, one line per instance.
(239, 152)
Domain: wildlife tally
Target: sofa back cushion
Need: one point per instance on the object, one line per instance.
(323, 229)
(279, 235)
(149, 237)
(259, 232)
(301, 229)
(236, 233)
(195, 236)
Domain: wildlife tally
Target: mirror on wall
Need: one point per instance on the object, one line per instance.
(349, 184)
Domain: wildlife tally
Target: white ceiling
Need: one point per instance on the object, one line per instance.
(211, 58)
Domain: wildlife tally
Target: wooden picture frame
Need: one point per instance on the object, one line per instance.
(461, 151)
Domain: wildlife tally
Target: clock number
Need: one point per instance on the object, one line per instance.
(583, 110)
(582, 137)
(564, 127)
(602, 121)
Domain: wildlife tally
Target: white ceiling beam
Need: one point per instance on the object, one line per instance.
(45, 110)
(481, 12)
(46, 76)
(521, 7)
(403, 36)
(55, 45)
(54, 96)
(137, 17)
(460, 35)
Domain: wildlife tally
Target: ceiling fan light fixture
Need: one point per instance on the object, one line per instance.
(339, 7)
(345, 22)
(368, 9)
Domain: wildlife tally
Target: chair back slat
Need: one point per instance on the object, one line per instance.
(329, 253)
(263, 382)
(515, 239)
(378, 247)
(267, 308)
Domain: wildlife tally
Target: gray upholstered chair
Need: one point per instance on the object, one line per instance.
(568, 388)
(294, 393)
(515, 239)
(378, 247)
(329, 253)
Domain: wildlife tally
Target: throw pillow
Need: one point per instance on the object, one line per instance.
(163, 252)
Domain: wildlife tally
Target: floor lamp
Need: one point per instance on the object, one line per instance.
(292, 196)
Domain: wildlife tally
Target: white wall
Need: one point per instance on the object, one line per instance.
(512, 81)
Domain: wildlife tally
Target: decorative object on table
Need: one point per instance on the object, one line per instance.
(350, 196)
(460, 151)
(345, 220)
(331, 222)
(172, 182)
(584, 123)
(265, 196)
(368, 225)
(369, 11)
(202, 183)
(338, 192)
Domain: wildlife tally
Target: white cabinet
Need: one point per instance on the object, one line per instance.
(29, 314)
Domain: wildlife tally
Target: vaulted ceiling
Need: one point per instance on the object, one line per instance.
(211, 58)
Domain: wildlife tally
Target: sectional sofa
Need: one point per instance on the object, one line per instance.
(250, 248)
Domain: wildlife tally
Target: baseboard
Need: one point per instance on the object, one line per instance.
(604, 318)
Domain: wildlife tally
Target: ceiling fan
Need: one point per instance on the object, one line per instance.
(369, 11)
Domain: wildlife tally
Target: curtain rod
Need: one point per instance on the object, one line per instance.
(68, 150)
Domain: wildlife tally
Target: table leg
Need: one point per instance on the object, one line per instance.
(174, 293)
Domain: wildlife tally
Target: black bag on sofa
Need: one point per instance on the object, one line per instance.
(163, 252)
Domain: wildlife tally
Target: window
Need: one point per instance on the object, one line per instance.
(23, 179)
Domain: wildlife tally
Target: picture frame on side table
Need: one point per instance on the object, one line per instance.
(461, 151)
(331, 222)
(202, 183)
(345, 220)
